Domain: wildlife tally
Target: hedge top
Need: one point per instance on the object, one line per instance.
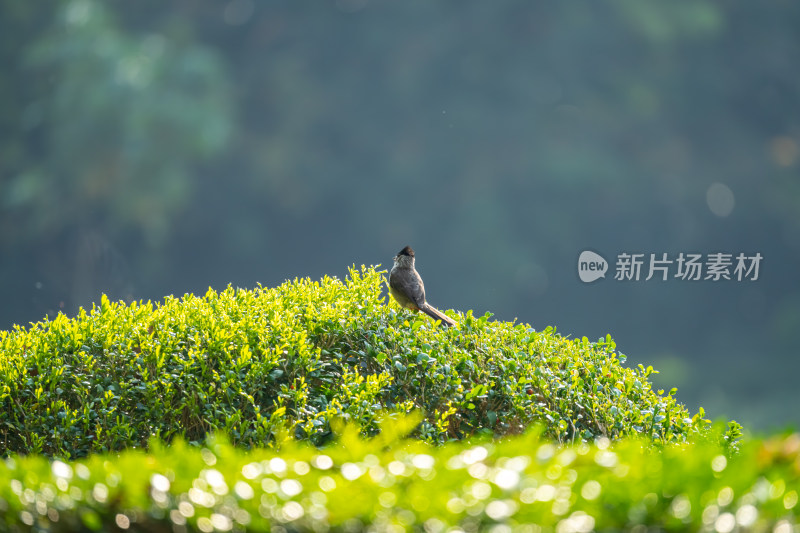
(265, 364)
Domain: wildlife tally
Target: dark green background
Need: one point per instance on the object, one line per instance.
(151, 148)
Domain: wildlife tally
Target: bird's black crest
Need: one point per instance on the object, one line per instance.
(407, 251)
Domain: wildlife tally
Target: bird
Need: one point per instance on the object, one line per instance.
(406, 287)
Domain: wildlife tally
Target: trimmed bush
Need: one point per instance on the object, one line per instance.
(519, 483)
(265, 365)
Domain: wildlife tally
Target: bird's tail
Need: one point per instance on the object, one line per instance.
(437, 315)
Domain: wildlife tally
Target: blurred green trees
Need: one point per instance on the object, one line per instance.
(110, 124)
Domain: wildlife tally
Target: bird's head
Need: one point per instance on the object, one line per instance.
(405, 256)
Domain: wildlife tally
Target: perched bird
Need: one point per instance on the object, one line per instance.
(405, 286)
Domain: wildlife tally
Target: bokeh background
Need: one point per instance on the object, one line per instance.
(150, 148)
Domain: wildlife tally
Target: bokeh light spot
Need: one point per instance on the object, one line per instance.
(784, 151)
(720, 199)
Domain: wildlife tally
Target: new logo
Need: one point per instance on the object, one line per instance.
(591, 266)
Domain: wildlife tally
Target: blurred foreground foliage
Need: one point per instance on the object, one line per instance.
(266, 364)
(523, 483)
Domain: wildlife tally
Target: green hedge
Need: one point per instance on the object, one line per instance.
(264, 365)
(521, 483)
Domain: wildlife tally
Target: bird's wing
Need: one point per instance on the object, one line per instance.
(409, 283)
